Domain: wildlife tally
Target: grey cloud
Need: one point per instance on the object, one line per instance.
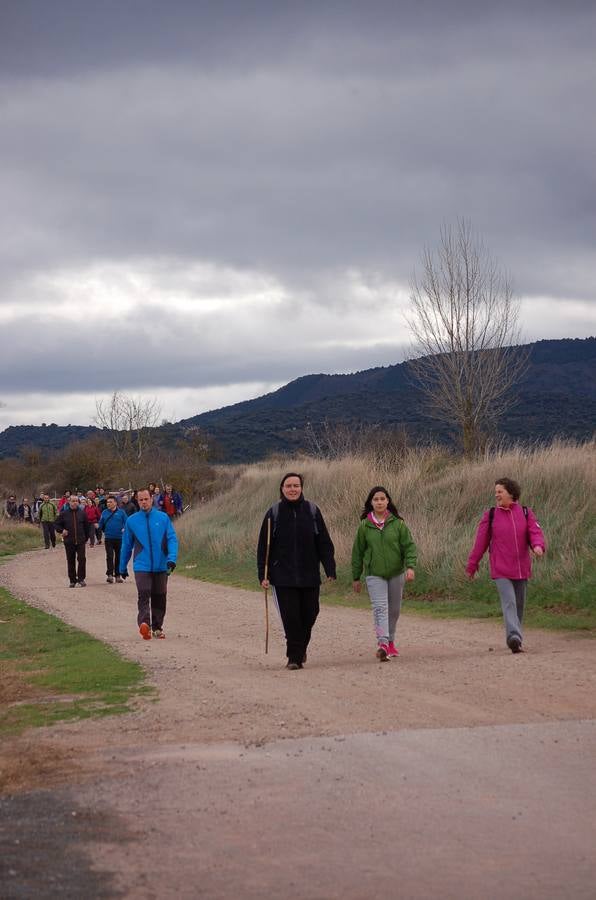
(156, 348)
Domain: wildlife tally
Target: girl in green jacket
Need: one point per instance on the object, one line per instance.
(384, 550)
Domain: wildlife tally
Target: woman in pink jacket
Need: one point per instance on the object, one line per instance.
(509, 531)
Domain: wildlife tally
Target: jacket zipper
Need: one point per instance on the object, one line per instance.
(516, 544)
(150, 544)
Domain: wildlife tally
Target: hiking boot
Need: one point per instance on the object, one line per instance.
(292, 666)
(158, 633)
(109, 579)
(83, 583)
(145, 631)
(392, 650)
(515, 645)
(118, 579)
(382, 652)
(72, 584)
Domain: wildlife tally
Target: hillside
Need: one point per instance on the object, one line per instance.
(556, 398)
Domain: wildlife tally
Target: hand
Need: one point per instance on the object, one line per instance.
(265, 583)
(64, 534)
(331, 578)
(470, 576)
(537, 551)
(356, 586)
(171, 567)
(410, 575)
(124, 574)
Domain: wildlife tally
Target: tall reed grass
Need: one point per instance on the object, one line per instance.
(441, 497)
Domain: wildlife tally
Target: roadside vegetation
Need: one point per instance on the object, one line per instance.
(17, 538)
(441, 497)
(52, 672)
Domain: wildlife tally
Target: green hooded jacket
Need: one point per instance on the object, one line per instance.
(384, 552)
(48, 512)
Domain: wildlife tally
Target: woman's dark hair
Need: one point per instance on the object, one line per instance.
(290, 475)
(368, 502)
(511, 486)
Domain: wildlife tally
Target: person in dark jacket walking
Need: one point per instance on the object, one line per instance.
(112, 524)
(155, 544)
(299, 545)
(72, 524)
(26, 512)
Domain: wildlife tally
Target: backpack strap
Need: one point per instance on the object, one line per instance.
(313, 511)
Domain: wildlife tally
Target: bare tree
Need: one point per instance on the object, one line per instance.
(129, 421)
(464, 322)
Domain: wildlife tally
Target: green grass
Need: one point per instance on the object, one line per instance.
(425, 596)
(17, 538)
(441, 498)
(52, 672)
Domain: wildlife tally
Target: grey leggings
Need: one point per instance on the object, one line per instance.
(385, 598)
(512, 593)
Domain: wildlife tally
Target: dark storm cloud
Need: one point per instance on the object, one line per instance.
(351, 152)
(296, 140)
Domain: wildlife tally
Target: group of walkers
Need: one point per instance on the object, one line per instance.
(125, 521)
(294, 543)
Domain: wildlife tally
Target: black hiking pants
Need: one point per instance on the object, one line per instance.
(76, 561)
(49, 534)
(113, 546)
(298, 608)
(152, 589)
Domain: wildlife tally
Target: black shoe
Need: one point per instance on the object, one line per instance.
(83, 583)
(515, 645)
(293, 666)
(72, 584)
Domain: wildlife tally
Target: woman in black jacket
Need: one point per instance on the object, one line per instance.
(299, 544)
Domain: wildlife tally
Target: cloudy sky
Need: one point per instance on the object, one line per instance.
(202, 201)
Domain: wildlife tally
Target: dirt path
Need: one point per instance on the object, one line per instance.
(217, 688)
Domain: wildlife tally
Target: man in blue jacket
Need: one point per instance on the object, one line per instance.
(112, 524)
(150, 534)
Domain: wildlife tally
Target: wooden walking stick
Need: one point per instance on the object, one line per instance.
(266, 589)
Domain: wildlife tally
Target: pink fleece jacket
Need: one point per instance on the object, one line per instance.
(512, 537)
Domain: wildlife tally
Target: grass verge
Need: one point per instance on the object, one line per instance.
(476, 600)
(51, 672)
(17, 538)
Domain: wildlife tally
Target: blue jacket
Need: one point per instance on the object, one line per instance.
(152, 537)
(114, 524)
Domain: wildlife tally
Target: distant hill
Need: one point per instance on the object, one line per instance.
(556, 398)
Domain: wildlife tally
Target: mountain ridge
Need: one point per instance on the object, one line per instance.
(557, 397)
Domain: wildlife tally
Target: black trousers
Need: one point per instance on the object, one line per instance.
(113, 546)
(298, 608)
(75, 553)
(49, 534)
(152, 588)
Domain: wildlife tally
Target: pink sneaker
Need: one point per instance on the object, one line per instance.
(392, 650)
(383, 652)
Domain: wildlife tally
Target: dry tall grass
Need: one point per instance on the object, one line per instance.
(440, 496)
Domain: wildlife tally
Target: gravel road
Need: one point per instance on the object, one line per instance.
(456, 770)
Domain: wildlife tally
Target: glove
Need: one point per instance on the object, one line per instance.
(124, 574)
(171, 567)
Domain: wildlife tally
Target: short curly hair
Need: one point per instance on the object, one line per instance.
(511, 486)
